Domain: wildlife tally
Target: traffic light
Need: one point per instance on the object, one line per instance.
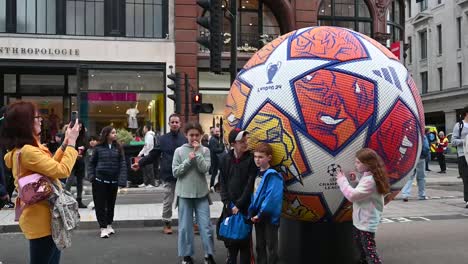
(196, 103)
(199, 107)
(213, 23)
(175, 87)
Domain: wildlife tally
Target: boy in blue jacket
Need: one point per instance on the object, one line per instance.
(265, 208)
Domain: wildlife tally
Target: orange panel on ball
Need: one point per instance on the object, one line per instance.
(262, 55)
(303, 207)
(334, 105)
(328, 43)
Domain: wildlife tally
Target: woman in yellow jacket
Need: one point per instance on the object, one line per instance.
(20, 132)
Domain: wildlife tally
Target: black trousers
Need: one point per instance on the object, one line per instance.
(463, 170)
(441, 159)
(266, 235)
(104, 196)
(79, 174)
(245, 253)
(43, 251)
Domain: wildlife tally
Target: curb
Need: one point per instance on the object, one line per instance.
(88, 225)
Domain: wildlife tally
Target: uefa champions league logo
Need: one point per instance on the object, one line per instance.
(272, 69)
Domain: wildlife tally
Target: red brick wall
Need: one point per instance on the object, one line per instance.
(306, 13)
(186, 32)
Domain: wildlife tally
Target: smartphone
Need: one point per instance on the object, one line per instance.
(74, 115)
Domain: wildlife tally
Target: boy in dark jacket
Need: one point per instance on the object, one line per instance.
(237, 173)
(265, 209)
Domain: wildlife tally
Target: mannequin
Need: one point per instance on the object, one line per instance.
(132, 117)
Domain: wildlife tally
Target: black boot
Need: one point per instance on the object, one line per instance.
(80, 204)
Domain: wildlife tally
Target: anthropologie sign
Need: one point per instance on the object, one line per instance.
(39, 51)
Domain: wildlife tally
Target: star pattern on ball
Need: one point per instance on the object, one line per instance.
(390, 76)
(319, 161)
(267, 83)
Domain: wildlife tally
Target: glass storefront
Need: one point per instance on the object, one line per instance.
(125, 99)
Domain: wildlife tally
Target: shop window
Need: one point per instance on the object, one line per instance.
(352, 14)
(36, 16)
(42, 84)
(9, 83)
(3, 16)
(257, 26)
(72, 84)
(395, 21)
(85, 17)
(248, 23)
(122, 110)
(108, 80)
(106, 95)
(144, 18)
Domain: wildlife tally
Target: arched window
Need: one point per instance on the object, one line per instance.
(352, 14)
(257, 25)
(395, 15)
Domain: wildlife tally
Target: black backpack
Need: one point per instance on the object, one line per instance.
(460, 128)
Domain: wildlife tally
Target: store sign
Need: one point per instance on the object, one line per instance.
(397, 49)
(39, 51)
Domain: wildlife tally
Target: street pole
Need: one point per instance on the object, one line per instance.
(187, 91)
(233, 66)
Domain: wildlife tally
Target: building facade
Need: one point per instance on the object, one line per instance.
(106, 59)
(259, 22)
(437, 55)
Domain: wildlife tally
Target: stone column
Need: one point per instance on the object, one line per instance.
(450, 120)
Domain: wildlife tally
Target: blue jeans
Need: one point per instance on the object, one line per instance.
(43, 251)
(201, 207)
(420, 174)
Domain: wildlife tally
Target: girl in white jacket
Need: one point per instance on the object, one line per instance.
(367, 199)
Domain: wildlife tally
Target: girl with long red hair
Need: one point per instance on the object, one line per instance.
(368, 200)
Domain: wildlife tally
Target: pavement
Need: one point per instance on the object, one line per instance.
(445, 191)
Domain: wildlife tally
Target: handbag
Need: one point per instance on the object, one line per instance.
(235, 227)
(65, 216)
(32, 189)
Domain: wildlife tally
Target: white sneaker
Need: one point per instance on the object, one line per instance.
(149, 186)
(141, 185)
(104, 233)
(91, 205)
(110, 230)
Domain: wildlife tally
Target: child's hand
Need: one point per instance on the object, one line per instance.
(195, 145)
(191, 155)
(235, 210)
(340, 174)
(352, 176)
(255, 219)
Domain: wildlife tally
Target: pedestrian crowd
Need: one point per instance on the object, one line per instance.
(251, 189)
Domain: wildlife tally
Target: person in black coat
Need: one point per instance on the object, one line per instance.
(237, 176)
(216, 147)
(164, 152)
(6, 178)
(107, 171)
(78, 171)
